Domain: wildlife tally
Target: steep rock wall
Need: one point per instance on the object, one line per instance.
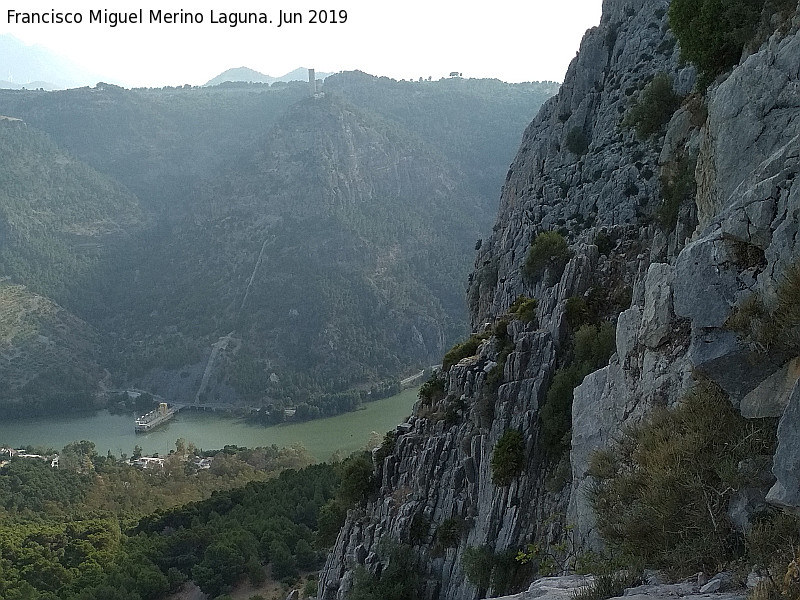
(441, 469)
(670, 290)
(744, 244)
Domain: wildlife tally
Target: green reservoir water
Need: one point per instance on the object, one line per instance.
(211, 431)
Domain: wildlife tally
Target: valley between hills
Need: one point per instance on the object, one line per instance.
(244, 245)
(615, 406)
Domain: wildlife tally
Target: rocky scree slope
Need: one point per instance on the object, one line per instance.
(669, 272)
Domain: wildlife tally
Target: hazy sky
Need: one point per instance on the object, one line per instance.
(513, 40)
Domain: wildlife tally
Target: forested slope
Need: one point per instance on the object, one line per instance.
(59, 220)
(322, 244)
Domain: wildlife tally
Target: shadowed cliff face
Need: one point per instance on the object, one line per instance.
(666, 267)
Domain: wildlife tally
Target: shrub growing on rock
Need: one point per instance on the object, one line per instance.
(604, 242)
(576, 141)
(662, 491)
(401, 579)
(653, 108)
(484, 567)
(460, 351)
(593, 345)
(713, 33)
(448, 534)
(432, 390)
(508, 457)
(771, 329)
(524, 309)
(577, 312)
(358, 481)
(549, 251)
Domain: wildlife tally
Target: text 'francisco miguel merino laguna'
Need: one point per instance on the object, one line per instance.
(112, 19)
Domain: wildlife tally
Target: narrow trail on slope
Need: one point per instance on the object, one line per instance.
(220, 344)
(223, 342)
(270, 240)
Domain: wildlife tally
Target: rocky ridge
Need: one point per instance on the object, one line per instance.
(672, 292)
(564, 588)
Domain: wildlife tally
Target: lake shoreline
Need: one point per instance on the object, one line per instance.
(114, 433)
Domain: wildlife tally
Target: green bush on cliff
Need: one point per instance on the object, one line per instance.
(465, 349)
(401, 578)
(713, 33)
(524, 309)
(662, 490)
(776, 328)
(432, 390)
(556, 413)
(358, 481)
(592, 347)
(448, 534)
(576, 311)
(549, 250)
(576, 141)
(500, 570)
(508, 457)
(653, 108)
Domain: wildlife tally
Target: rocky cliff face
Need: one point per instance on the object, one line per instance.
(669, 273)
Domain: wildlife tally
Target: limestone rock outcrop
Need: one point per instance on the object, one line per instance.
(670, 282)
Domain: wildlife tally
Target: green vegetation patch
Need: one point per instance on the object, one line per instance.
(401, 579)
(576, 311)
(508, 457)
(776, 328)
(592, 347)
(653, 108)
(484, 568)
(28, 485)
(549, 251)
(604, 242)
(55, 546)
(713, 33)
(556, 413)
(662, 491)
(448, 534)
(432, 391)
(576, 141)
(463, 350)
(48, 357)
(772, 543)
(608, 585)
(524, 309)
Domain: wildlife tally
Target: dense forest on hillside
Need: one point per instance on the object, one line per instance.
(315, 248)
(99, 528)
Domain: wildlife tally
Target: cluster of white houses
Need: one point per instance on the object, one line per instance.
(143, 462)
(157, 462)
(12, 453)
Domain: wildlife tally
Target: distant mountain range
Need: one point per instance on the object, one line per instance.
(245, 74)
(35, 67)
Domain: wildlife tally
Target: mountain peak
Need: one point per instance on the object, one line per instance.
(248, 75)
